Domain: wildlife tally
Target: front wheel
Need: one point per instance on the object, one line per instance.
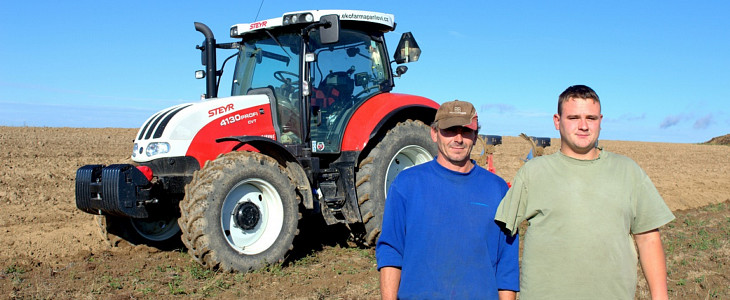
(160, 232)
(239, 213)
(407, 144)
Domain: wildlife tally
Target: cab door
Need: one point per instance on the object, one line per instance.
(343, 76)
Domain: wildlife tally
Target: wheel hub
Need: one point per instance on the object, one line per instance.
(246, 215)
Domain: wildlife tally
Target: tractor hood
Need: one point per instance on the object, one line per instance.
(178, 130)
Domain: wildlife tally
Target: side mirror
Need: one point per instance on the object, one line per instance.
(400, 70)
(407, 50)
(329, 31)
(203, 53)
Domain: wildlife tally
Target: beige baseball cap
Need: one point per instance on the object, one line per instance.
(457, 113)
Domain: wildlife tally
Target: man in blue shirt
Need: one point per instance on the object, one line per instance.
(439, 238)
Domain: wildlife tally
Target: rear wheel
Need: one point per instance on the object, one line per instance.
(407, 144)
(239, 213)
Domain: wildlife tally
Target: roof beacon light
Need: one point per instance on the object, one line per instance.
(298, 18)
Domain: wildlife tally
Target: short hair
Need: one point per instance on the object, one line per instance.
(576, 91)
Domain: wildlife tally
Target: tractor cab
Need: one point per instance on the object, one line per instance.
(316, 68)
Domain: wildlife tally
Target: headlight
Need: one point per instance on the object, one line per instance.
(134, 150)
(157, 148)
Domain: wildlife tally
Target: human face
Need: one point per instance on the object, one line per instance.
(454, 145)
(579, 125)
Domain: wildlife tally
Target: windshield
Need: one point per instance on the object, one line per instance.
(271, 67)
(353, 67)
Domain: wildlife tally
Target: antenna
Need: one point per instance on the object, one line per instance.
(257, 13)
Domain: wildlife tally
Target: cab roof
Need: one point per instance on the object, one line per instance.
(313, 16)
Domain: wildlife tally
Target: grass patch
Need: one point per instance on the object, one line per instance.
(199, 272)
(695, 245)
(14, 270)
(113, 282)
(175, 286)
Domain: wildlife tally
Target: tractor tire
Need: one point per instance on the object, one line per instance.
(163, 233)
(407, 144)
(240, 213)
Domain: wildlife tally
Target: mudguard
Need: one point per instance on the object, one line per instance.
(366, 121)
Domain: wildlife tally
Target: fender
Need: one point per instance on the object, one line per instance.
(366, 121)
(258, 144)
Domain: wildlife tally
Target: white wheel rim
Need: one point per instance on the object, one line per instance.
(264, 234)
(156, 230)
(405, 158)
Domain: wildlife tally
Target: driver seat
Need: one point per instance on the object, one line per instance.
(335, 87)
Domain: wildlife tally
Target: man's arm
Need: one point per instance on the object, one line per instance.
(389, 283)
(653, 262)
(507, 295)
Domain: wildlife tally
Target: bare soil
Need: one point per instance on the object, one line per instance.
(50, 249)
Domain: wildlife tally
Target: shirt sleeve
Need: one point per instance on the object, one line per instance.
(508, 268)
(389, 249)
(512, 208)
(651, 212)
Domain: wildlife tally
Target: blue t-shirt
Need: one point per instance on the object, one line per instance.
(439, 228)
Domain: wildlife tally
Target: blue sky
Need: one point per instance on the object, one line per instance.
(661, 68)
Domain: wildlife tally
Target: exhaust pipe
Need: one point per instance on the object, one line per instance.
(208, 60)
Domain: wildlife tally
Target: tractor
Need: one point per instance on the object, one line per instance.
(311, 127)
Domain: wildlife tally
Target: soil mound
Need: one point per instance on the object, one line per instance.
(720, 140)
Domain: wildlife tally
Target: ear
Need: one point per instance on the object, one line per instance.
(434, 135)
(599, 121)
(556, 120)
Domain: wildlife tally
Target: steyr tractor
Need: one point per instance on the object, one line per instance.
(311, 127)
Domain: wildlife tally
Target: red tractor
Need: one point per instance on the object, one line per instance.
(311, 127)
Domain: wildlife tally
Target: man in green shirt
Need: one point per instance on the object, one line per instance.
(583, 205)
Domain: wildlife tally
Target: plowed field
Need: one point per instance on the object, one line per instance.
(49, 249)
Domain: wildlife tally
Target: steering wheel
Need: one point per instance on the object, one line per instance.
(290, 86)
(279, 75)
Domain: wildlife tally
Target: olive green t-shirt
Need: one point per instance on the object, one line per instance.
(581, 216)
